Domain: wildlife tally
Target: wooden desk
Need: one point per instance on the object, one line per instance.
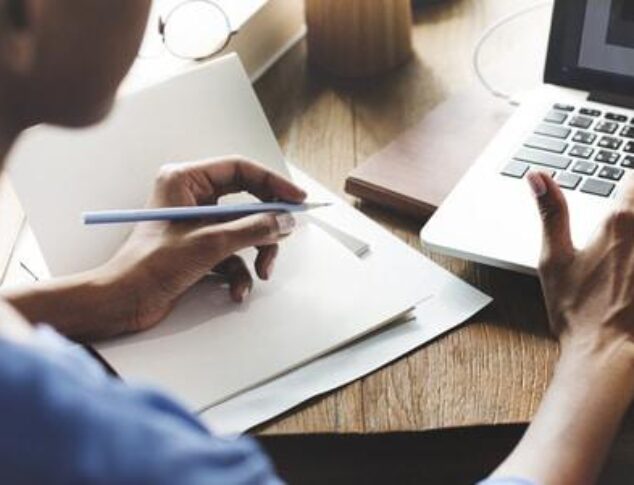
(493, 370)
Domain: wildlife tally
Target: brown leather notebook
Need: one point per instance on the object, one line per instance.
(415, 173)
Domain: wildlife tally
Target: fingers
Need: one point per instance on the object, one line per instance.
(222, 240)
(219, 243)
(238, 275)
(231, 175)
(557, 244)
(627, 194)
(240, 281)
(620, 223)
(265, 261)
(260, 230)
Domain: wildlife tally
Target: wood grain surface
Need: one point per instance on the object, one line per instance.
(495, 369)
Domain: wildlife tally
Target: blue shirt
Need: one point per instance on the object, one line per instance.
(63, 420)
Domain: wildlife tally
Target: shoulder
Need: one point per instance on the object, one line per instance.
(57, 407)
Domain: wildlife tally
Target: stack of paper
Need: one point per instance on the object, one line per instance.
(209, 348)
(452, 303)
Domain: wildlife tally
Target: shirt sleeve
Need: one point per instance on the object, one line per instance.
(64, 421)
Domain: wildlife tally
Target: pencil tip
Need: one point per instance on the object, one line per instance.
(318, 205)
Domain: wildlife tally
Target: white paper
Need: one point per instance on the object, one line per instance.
(455, 303)
(207, 112)
(452, 303)
(59, 173)
(27, 263)
(325, 295)
(210, 348)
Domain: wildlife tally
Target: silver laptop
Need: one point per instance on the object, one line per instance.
(578, 126)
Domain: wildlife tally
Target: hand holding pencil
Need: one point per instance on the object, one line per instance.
(161, 260)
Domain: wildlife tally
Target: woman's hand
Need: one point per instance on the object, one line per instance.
(590, 292)
(590, 299)
(161, 260)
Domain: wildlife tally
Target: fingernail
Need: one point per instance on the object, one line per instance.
(285, 223)
(537, 184)
(268, 270)
(244, 294)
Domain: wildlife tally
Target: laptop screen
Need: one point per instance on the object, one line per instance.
(592, 46)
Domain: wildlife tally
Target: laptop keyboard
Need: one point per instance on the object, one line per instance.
(582, 148)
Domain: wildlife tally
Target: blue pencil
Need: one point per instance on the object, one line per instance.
(189, 213)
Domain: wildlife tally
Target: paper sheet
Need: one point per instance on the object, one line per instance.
(230, 112)
(455, 303)
(210, 348)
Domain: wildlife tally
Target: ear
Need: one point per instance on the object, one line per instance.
(18, 35)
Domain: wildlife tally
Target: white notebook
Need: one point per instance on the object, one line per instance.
(209, 348)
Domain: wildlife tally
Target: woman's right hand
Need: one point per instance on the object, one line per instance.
(589, 292)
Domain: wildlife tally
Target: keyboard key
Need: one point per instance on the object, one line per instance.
(610, 142)
(547, 144)
(607, 156)
(629, 147)
(628, 132)
(515, 169)
(611, 173)
(607, 127)
(556, 117)
(581, 151)
(584, 137)
(616, 117)
(628, 162)
(542, 158)
(581, 122)
(590, 112)
(553, 131)
(585, 168)
(597, 187)
(564, 107)
(568, 180)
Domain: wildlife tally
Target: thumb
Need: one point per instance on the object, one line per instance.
(557, 243)
(251, 231)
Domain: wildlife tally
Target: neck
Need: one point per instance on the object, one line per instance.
(12, 118)
(8, 135)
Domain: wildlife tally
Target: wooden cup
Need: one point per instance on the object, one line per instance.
(359, 38)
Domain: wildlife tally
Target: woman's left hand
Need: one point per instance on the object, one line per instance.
(162, 260)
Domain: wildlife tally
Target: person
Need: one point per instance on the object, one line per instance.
(590, 300)
(64, 420)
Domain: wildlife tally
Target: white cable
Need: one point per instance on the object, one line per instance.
(487, 34)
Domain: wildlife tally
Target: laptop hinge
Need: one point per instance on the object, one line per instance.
(612, 99)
